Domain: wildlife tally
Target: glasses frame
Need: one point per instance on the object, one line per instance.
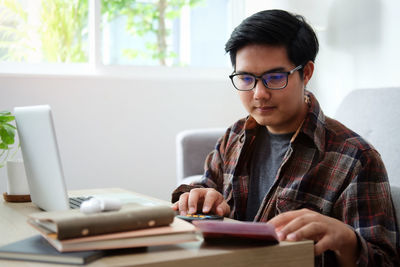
(287, 73)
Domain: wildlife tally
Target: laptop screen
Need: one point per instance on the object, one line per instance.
(41, 157)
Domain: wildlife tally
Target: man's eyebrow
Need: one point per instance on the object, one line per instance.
(278, 69)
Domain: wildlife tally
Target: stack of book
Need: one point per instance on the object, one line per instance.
(74, 237)
(134, 225)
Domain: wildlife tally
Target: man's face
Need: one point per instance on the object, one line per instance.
(281, 111)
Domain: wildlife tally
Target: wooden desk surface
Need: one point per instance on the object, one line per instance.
(13, 227)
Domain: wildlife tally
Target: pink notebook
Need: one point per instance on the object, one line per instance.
(237, 231)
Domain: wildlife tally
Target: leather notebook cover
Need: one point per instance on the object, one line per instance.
(73, 223)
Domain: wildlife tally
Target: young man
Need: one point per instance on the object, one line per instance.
(288, 164)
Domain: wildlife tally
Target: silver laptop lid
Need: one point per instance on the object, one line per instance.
(41, 157)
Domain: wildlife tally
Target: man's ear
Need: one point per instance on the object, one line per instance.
(308, 71)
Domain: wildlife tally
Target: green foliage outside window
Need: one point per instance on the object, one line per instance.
(64, 30)
(148, 17)
(16, 42)
(62, 34)
(59, 37)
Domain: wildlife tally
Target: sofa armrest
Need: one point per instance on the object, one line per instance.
(192, 148)
(395, 190)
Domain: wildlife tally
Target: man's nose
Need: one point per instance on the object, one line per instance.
(260, 91)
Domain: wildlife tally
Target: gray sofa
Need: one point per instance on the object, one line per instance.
(192, 147)
(372, 113)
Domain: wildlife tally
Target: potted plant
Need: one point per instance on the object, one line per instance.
(17, 186)
(7, 136)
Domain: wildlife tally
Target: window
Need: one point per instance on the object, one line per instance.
(175, 33)
(116, 32)
(36, 31)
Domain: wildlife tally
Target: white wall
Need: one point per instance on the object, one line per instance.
(120, 132)
(359, 44)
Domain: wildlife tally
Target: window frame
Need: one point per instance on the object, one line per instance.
(95, 66)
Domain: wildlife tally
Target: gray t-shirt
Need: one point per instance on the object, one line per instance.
(267, 157)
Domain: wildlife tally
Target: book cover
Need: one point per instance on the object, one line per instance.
(177, 232)
(36, 248)
(73, 223)
(237, 231)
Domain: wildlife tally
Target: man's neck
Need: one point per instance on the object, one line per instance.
(291, 126)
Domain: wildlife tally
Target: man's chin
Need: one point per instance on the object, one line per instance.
(272, 125)
(264, 122)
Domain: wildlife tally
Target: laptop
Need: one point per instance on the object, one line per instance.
(42, 159)
(43, 166)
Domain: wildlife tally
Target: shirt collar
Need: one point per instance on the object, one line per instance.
(312, 126)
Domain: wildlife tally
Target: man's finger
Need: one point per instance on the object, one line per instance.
(183, 202)
(284, 218)
(322, 245)
(194, 196)
(312, 231)
(212, 198)
(296, 224)
(223, 209)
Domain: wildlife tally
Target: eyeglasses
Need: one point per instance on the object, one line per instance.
(273, 80)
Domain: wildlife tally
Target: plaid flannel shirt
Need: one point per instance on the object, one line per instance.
(327, 168)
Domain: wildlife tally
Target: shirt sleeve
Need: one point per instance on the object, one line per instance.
(367, 207)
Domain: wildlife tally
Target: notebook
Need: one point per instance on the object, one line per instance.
(36, 248)
(42, 160)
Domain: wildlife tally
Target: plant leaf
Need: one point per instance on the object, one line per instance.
(3, 146)
(7, 134)
(6, 118)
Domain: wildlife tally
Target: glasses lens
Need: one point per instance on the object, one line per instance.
(276, 80)
(243, 81)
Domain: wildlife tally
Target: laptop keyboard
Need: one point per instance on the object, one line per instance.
(75, 202)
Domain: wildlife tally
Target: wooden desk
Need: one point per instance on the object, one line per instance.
(13, 227)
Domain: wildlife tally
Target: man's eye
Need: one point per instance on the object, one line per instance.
(275, 76)
(245, 78)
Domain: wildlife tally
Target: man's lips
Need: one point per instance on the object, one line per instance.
(265, 108)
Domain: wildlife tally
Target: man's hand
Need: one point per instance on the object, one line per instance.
(329, 233)
(205, 200)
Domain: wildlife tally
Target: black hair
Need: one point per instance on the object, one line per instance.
(277, 28)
